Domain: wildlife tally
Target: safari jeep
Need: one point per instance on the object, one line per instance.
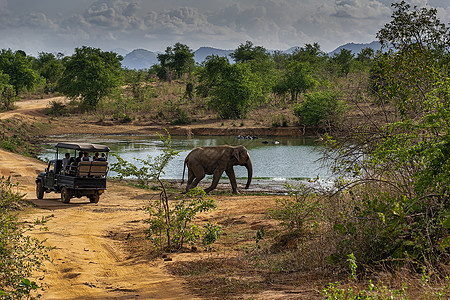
(86, 178)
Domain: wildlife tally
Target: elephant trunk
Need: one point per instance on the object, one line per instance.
(250, 172)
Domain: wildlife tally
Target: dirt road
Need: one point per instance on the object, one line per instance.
(86, 263)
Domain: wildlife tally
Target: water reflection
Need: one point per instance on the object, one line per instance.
(274, 159)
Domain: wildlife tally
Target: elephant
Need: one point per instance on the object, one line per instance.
(214, 161)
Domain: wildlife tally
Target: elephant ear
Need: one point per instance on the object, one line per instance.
(236, 154)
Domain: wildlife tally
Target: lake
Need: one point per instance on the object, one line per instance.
(274, 159)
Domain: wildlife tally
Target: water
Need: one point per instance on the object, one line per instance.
(280, 159)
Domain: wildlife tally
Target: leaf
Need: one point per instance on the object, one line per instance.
(446, 222)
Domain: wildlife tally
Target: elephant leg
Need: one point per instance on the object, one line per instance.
(216, 177)
(194, 179)
(191, 177)
(232, 177)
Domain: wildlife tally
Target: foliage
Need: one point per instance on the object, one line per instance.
(56, 108)
(343, 59)
(397, 175)
(20, 255)
(211, 73)
(247, 52)
(170, 222)
(90, 74)
(19, 69)
(319, 108)
(175, 62)
(171, 226)
(233, 90)
(373, 292)
(296, 79)
(7, 93)
(50, 67)
(300, 208)
(137, 84)
(181, 117)
(417, 27)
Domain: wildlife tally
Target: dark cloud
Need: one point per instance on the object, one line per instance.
(274, 24)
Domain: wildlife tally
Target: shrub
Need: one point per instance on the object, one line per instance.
(296, 210)
(56, 109)
(319, 108)
(20, 255)
(171, 222)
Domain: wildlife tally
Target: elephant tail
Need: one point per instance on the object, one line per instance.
(184, 168)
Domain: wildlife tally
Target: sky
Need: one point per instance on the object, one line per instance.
(124, 25)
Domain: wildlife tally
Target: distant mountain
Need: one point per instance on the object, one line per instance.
(201, 53)
(356, 48)
(139, 59)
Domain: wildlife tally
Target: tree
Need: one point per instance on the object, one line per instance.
(343, 59)
(232, 94)
(318, 108)
(90, 74)
(7, 95)
(247, 52)
(296, 79)
(19, 69)
(419, 27)
(175, 62)
(398, 170)
(210, 74)
(49, 67)
(310, 53)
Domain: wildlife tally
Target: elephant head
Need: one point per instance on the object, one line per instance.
(243, 159)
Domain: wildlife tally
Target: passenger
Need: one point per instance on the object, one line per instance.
(103, 157)
(66, 161)
(79, 158)
(96, 156)
(86, 157)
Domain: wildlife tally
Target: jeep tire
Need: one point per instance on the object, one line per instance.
(39, 190)
(94, 198)
(66, 194)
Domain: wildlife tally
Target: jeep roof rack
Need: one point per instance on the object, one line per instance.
(82, 147)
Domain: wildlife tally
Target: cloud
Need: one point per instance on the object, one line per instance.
(3, 7)
(274, 24)
(361, 9)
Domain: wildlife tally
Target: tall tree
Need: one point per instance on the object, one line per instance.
(296, 79)
(175, 62)
(49, 66)
(247, 52)
(90, 74)
(19, 69)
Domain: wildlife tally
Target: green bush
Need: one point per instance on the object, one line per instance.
(297, 210)
(181, 117)
(56, 109)
(319, 108)
(20, 255)
(170, 222)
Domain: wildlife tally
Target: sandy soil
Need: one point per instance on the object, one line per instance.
(87, 262)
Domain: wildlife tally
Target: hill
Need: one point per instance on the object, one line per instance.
(356, 48)
(201, 53)
(139, 59)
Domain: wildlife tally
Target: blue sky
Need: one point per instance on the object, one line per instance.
(124, 25)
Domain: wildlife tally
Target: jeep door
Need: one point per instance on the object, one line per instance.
(49, 178)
